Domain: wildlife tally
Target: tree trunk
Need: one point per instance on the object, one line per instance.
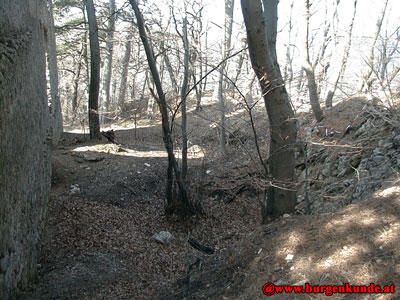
(142, 94)
(56, 114)
(261, 28)
(313, 93)
(184, 205)
(310, 74)
(85, 44)
(124, 75)
(241, 60)
(198, 88)
(75, 80)
(109, 56)
(170, 70)
(221, 101)
(204, 88)
(183, 99)
(229, 5)
(24, 141)
(94, 121)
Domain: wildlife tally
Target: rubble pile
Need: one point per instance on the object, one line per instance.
(352, 153)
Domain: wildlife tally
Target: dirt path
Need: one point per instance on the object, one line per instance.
(106, 204)
(107, 201)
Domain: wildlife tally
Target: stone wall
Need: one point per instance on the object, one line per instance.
(24, 147)
(347, 168)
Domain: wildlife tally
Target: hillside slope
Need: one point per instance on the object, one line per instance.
(352, 191)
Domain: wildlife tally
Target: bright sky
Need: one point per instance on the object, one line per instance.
(368, 12)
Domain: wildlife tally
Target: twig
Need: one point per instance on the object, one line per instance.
(200, 80)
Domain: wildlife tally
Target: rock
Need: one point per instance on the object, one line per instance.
(355, 160)
(377, 151)
(396, 141)
(79, 160)
(92, 157)
(163, 237)
(387, 145)
(302, 207)
(379, 159)
(277, 268)
(75, 189)
(289, 257)
(4, 263)
(302, 175)
(344, 166)
(347, 183)
(326, 170)
(364, 129)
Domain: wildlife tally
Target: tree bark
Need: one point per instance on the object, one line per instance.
(241, 60)
(310, 71)
(24, 141)
(229, 5)
(124, 75)
(109, 56)
(56, 114)
(222, 118)
(94, 121)
(204, 87)
(313, 93)
(75, 81)
(170, 70)
(85, 44)
(183, 99)
(261, 26)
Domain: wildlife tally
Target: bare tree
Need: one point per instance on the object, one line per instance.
(182, 205)
(56, 114)
(169, 67)
(331, 93)
(109, 53)
(309, 69)
(78, 61)
(229, 5)
(261, 24)
(367, 82)
(184, 89)
(198, 55)
(124, 75)
(388, 51)
(288, 69)
(94, 121)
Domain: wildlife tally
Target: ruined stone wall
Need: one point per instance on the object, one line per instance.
(24, 147)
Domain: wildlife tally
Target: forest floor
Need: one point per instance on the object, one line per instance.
(107, 201)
